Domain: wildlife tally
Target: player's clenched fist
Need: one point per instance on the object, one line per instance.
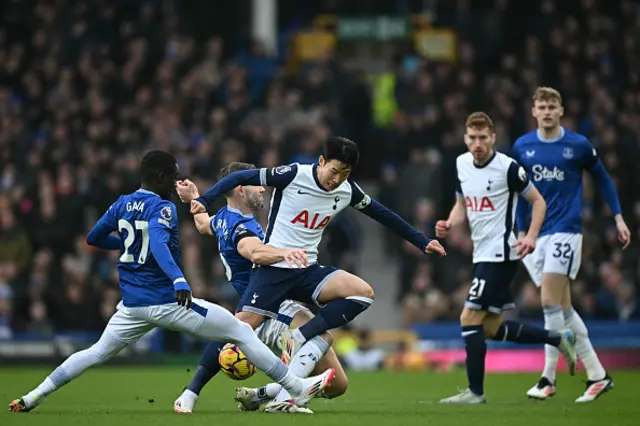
(435, 247)
(442, 228)
(186, 190)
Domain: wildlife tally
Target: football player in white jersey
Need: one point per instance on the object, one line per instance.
(305, 199)
(488, 187)
(556, 159)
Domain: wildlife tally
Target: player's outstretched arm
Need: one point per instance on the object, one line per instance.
(159, 236)
(278, 177)
(100, 237)
(608, 191)
(253, 249)
(381, 214)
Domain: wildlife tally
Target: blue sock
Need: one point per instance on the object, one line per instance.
(476, 347)
(207, 367)
(336, 314)
(514, 331)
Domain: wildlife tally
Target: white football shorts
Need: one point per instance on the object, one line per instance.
(205, 320)
(559, 253)
(269, 331)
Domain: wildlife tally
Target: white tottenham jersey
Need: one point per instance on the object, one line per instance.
(490, 194)
(301, 209)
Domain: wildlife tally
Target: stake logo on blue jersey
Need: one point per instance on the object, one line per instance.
(230, 226)
(556, 167)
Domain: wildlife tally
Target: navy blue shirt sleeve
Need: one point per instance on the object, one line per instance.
(227, 183)
(517, 178)
(163, 221)
(367, 205)
(278, 177)
(99, 236)
(244, 230)
(359, 200)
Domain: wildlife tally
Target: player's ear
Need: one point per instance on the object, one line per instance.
(321, 161)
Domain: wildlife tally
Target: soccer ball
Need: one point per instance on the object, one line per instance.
(234, 363)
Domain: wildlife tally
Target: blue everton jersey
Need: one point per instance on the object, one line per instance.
(139, 218)
(230, 226)
(555, 168)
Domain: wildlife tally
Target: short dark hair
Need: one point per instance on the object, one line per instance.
(234, 166)
(341, 149)
(155, 162)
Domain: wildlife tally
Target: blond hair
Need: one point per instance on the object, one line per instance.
(479, 120)
(547, 94)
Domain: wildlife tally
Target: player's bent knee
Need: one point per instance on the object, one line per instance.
(344, 285)
(327, 337)
(338, 386)
(471, 317)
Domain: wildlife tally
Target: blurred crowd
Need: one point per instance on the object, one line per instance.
(86, 89)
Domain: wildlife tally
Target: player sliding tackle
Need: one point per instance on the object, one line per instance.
(305, 199)
(556, 159)
(487, 185)
(151, 282)
(240, 244)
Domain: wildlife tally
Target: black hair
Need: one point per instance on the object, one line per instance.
(341, 149)
(234, 166)
(156, 162)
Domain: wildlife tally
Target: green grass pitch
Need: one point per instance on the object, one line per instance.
(124, 396)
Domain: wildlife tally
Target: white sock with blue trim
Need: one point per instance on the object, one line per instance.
(553, 320)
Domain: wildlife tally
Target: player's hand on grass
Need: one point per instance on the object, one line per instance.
(442, 228)
(183, 297)
(187, 190)
(197, 207)
(296, 257)
(624, 235)
(435, 247)
(525, 244)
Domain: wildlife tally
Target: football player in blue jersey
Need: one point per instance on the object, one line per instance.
(240, 245)
(151, 282)
(555, 159)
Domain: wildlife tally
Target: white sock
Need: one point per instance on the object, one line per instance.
(553, 320)
(297, 334)
(45, 388)
(267, 392)
(305, 360)
(189, 395)
(584, 348)
(265, 360)
(77, 364)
